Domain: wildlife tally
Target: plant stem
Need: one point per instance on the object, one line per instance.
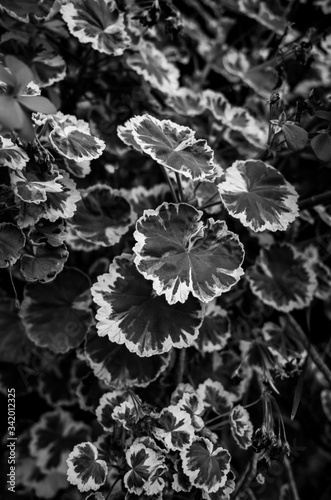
(180, 188)
(311, 351)
(181, 365)
(210, 205)
(291, 479)
(315, 200)
(167, 178)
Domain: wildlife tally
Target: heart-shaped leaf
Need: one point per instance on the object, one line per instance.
(129, 312)
(259, 196)
(173, 146)
(283, 278)
(57, 315)
(205, 465)
(181, 254)
(12, 241)
(85, 470)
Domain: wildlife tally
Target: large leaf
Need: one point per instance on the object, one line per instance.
(182, 254)
(97, 22)
(44, 262)
(57, 315)
(173, 146)
(75, 144)
(103, 215)
(205, 465)
(116, 366)
(259, 196)
(152, 64)
(283, 278)
(52, 438)
(85, 469)
(129, 312)
(12, 241)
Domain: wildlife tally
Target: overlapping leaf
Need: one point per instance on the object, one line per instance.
(283, 278)
(129, 312)
(85, 470)
(181, 254)
(12, 241)
(75, 144)
(174, 428)
(32, 185)
(97, 22)
(214, 396)
(186, 102)
(116, 366)
(207, 466)
(215, 329)
(173, 146)
(241, 426)
(11, 155)
(103, 215)
(22, 10)
(57, 315)
(259, 196)
(152, 64)
(44, 262)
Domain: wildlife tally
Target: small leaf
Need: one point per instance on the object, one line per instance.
(144, 462)
(75, 144)
(174, 428)
(215, 329)
(296, 137)
(241, 427)
(214, 396)
(182, 254)
(321, 145)
(12, 241)
(85, 470)
(11, 155)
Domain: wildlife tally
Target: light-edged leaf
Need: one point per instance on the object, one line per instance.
(174, 428)
(44, 231)
(194, 406)
(182, 254)
(75, 144)
(186, 102)
(152, 64)
(215, 329)
(52, 438)
(85, 470)
(206, 465)
(108, 402)
(214, 395)
(43, 263)
(103, 215)
(282, 277)
(48, 67)
(12, 241)
(142, 198)
(99, 23)
(11, 155)
(57, 315)
(129, 312)
(263, 14)
(116, 366)
(125, 133)
(241, 426)
(173, 146)
(28, 9)
(259, 196)
(79, 169)
(32, 185)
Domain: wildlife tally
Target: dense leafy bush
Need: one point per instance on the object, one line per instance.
(165, 248)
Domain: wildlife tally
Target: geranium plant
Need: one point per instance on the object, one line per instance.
(165, 248)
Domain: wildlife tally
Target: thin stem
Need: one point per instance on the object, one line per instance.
(167, 178)
(181, 365)
(210, 205)
(180, 187)
(17, 302)
(293, 486)
(315, 200)
(216, 418)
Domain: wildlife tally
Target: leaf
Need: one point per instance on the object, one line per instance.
(15, 347)
(144, 462)
(186, 102)
(103, 215)
(75, 144)
(99, 23)
(48, 67)
(23, 10)
(321, 145)
(85, 470)
(215, 329)
(12, 241)
(44, 263)
(38, 104)
(52, 233)
(142, 198)
(32, 185)
(173, 146)
(259, 196)
(194, 406)
(11, 155)
(108, 402)
(206, 466)
(241, 427)
(282, 278)
(181, 254)
(152, 64)
(260, 11)
(57, 315)
(129, 312)
(52, 437)
(116, 366)
(214, 396)
(296, 137)
(174, 428)
(79, 169)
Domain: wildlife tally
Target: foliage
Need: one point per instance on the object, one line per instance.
(165, 248)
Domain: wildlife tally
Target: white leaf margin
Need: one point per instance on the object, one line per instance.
(73, 477)
(244, 418)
